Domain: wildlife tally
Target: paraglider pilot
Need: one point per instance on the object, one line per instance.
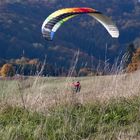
(76, 86)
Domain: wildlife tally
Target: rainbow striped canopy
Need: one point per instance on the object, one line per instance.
(56, 19)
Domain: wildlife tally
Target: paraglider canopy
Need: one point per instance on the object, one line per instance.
(56, 19)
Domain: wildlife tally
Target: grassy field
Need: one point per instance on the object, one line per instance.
(46, 108)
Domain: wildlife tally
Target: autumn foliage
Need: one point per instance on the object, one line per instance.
(135, 62)
(86, 72)
(7, 70)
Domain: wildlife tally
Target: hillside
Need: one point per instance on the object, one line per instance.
(113, 120)
(20, 24)
(106, 108)
(38, 92)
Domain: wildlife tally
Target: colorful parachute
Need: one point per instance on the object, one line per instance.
(56, 19)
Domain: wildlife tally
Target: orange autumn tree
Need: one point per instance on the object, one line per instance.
(0, 71)
(7, 70)
(135, 62)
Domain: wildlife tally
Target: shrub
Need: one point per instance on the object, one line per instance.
(7, 70)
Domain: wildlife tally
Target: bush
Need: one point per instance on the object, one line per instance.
(7, 70)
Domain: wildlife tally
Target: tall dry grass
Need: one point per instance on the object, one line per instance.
(89, 114)
(42, 93)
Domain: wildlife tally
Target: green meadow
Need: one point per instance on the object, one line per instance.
(36, 108)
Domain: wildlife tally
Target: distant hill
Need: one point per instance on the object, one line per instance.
(20, 31)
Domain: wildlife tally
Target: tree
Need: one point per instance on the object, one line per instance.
(135, 62)
(86, 72)
(128, 55)
(7, 70)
